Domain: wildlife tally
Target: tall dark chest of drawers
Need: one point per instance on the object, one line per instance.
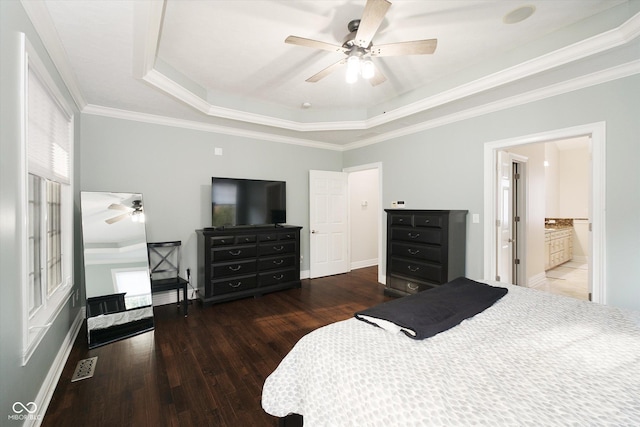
(425, 248)
(240, 262)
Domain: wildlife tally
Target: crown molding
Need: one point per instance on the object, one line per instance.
(116, 113)
(582, 82)
(623, 34)
(39, 15)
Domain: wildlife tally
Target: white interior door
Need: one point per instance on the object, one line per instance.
(504, 243)
(329, 228)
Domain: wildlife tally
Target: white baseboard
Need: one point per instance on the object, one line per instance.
(171, 297)
(580, 258)
(365, 263)
(304, 274)
(536, 280)
(55, 371)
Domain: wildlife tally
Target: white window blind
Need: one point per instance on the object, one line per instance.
(48, 133)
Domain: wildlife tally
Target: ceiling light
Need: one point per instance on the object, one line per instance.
(519, 14)
(353, 69)
(367, 69)
(137, 216)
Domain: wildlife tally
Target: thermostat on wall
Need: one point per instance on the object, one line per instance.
(399, 204)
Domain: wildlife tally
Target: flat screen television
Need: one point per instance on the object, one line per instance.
(247, 202)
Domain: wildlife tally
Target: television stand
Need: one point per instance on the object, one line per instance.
(240, 262)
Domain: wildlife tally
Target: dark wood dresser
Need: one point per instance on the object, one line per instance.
(247, 261)
(425, 248)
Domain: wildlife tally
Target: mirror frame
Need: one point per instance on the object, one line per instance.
(116, 267)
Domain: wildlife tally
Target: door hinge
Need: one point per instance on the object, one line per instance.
(516, 261)
(497, 278)
(498, 223)
(516, 176)
(516, 219)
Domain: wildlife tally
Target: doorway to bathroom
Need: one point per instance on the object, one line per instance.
(523, 248)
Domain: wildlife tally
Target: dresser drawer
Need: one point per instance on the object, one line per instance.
(276, 248)
(268, 237)
(234, 284)
(287, 236)
(419, 270)
(422, 235)
(234, 268)
(427, 221)
(276, 262)
(408, 286)
(402, 220)
(245, 238)
(420, 252)
(222, 240)
(275, 277)
(231, 253)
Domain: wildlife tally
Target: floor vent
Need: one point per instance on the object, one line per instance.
(84, 369)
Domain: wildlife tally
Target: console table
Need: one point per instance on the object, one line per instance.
(247, 261)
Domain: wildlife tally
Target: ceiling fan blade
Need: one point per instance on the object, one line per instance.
(324, 73)
(377, 78)
(117, 218)
(374, 12)
(119, 207)
(417, 47)
(300, 41)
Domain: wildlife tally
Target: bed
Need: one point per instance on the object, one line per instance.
(531, 358)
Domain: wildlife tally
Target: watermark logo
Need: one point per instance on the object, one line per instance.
(23, 411)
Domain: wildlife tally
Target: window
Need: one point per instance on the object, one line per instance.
(48, 235)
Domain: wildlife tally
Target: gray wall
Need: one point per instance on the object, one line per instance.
(172, 168)
(21, 383)
(442, 168)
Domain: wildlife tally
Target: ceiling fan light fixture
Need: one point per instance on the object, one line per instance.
(137, 216)
(367, 69)
(353, 69)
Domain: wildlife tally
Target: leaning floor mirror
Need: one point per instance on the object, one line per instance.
(116, 266)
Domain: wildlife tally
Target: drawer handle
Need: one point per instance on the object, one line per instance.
(278, 248)
(400, 219)
(413, 251)
(235, 268)
(235, 253)
(235, 285)
(412, 286)
(278, 261)
(413, 269)
(413, 236)
(426, 221)
(279, 277)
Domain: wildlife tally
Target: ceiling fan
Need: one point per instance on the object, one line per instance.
(135, 212)
(359, 49)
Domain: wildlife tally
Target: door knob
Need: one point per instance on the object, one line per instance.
(313, 231)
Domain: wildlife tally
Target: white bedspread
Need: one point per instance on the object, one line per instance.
(113, 319)
(531, 359)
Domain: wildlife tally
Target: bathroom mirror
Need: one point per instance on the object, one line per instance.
(116, 266)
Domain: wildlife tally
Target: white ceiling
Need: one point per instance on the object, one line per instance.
(224, 66)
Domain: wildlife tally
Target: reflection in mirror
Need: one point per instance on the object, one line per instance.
(116, 266)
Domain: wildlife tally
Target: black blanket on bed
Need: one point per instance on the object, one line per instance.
(428, 313)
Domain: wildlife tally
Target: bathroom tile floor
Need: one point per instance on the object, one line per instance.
(569, 279)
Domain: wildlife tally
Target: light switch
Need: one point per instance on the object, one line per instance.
(476, 218)
(217, 151)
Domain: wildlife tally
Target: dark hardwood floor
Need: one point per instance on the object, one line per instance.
(206, 369)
